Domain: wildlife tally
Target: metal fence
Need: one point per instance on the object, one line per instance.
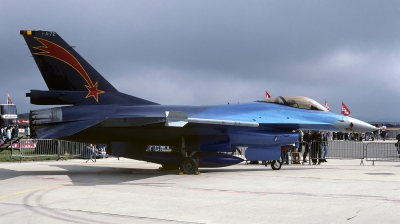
(338, 149)
(48, 147)
(375, 151)
(345, 150)
(364, 150)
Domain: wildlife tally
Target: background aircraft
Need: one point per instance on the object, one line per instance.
(128, 124)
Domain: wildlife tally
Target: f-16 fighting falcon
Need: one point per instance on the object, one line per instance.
(201, 136)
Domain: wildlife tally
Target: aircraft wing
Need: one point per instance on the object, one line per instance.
(180, 119)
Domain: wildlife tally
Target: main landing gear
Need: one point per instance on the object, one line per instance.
(188, 164)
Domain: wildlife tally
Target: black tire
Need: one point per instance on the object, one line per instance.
(276, 165)
(188, 166)
(170, 167)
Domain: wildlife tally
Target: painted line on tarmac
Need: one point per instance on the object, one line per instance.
(30, 190)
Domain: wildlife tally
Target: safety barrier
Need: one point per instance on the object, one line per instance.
(368, 150)
(378, 151)
(345, 150)
(47, 147)
(338, 149)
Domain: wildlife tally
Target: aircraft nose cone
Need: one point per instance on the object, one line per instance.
(361, 126)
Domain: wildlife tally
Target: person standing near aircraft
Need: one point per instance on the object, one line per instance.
(397, 145)
(316, 139)
(285, 155)
(27, 132)
(90, 153)
(2, 134)
(306, 143)
(8, 134)
(324, 147)
(299, 143)
(383, 132)
(2, 137)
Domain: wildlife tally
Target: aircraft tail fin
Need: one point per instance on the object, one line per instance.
(63, 69)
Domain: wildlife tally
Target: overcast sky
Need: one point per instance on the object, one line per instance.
(214, 52)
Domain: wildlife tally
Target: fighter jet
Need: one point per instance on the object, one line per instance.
(201, 136)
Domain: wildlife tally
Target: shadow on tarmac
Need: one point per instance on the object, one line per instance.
(98, 175)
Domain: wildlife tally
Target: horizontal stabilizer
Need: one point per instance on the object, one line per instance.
(180, 119)
(65, 129)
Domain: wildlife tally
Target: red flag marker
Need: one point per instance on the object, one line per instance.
(326, 105)
(345, 111)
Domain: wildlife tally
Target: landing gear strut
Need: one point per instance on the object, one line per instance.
(188, 164)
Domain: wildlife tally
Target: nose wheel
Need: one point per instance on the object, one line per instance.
(276, 164)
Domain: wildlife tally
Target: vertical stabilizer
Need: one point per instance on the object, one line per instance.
(62, 67)
(69, 77)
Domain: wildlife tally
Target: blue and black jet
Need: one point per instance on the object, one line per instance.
(201, 136)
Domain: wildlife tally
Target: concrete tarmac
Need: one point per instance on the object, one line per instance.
(128, 191)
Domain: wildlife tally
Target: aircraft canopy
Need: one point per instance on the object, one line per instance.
(295, 101)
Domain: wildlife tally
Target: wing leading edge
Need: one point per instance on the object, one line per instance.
(180, 119)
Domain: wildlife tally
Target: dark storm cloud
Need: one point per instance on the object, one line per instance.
(208, 52)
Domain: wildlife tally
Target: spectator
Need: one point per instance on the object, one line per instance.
(90, 153)
(285, 154)
(398, 145)
(27, 132)
(8, 134)
(299, 143)
(3, 134)
(383, 132)
(16, 132)
(329, 136)
(324, 147)
(306, 144)
(316, 138)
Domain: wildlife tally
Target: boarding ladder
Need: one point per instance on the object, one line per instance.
(8, 144)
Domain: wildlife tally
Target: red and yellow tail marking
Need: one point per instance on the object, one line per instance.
(51, 49)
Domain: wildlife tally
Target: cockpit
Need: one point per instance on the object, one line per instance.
(301, 102)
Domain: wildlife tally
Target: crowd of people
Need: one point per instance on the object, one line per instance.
(380, 134)
(8, 133)
(316, 143)
(98, 151)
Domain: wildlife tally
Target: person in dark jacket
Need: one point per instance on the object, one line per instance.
(306, 143)
(316, 139)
